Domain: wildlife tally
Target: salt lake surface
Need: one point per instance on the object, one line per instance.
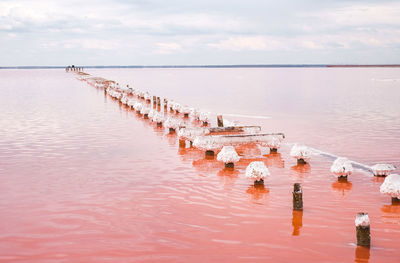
(84, 179)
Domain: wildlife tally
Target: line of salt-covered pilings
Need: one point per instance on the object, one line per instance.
(214, 142)
(73, 68)
(217, 141)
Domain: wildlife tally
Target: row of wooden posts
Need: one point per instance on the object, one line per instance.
(362, 231)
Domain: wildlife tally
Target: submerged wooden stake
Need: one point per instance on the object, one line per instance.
(395, 200)
(259, 182)
(209, 153)
(301, 161)
(297, 197)
(273, 150)
(363, 233)
(220, 121)
(342, 178)
(229, 165)
(171, 130)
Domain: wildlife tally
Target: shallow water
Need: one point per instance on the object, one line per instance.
(84, 179)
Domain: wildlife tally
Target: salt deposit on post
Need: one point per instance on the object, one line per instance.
(363, 230)
(145, 112)
(391, 186)
(228, 155)
(273, 143)
(172, 124)
(138, 106)
(382, 169)
(257, 171)
(207, 143)
(204, 117)
(342, 167)
(158, 118)
(185, 111)
(301, 153)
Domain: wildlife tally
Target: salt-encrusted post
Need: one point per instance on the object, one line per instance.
(301, 153)
(297, 197)
(257, 171)
(363, 230)
(158, 101)
(382, 169)
(154, 100)
(220, 121)
(165, 103)
(391, 186)
(229, 156)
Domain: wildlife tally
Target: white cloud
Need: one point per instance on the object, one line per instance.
(253, 43)
(168, 48)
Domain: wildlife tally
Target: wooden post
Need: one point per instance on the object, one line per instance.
(301, 161)
(297, 197)
(342, 178)
(209, 153)
(182, 143)
(259, 182)
(395, 201)
(363, 232)
(220, 121)
(154, 100)
(229, 165)
(158, 101)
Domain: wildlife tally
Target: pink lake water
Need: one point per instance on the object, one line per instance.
(85, 179)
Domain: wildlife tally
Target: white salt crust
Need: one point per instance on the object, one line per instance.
(172, 123)
(342, 167)
(299, 151)
(362, 220)
(228, 155)
(256, 171)
(158, 117)
(391, 186)
(382, 169)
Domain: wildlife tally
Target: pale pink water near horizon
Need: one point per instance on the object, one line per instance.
(84, 179)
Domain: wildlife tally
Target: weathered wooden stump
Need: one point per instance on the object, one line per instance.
(363, 231)
(297, 197)
(229, 165)
(209, 153)
(301, 161)
(220, 121)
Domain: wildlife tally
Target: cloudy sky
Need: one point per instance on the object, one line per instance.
(198, 32)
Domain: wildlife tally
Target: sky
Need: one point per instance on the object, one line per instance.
(201, 32)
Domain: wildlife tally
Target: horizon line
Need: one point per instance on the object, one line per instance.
(209, 66)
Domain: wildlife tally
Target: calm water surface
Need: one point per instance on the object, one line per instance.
(84, 179)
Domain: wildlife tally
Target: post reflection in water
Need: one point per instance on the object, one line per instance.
(342, 187)
(274, 159)
(301, 170)
(228, 176)
(257, 191)
(362, 254)
(297, 222)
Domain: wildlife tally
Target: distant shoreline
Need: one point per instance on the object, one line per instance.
(222, 66)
